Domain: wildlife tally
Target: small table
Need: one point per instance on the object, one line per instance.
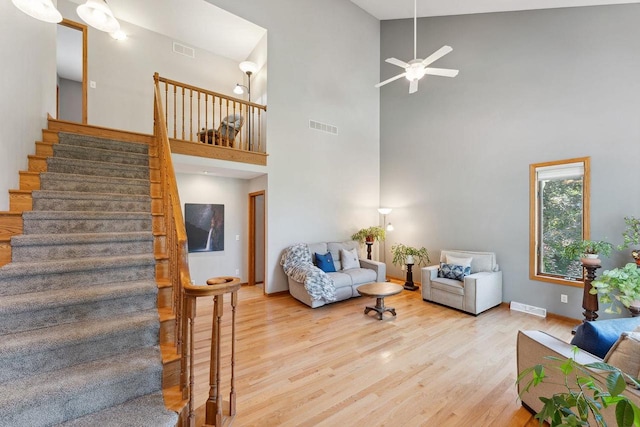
(379, 290)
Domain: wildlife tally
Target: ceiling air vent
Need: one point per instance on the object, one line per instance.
(323, 127)
(184, 50)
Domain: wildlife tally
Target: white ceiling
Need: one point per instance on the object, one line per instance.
(194, 22)
(399, 9)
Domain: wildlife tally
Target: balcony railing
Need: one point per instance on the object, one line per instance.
(204, 117)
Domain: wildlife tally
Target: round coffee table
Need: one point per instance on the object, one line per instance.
(379, 290)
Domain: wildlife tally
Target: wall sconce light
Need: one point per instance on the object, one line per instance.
(98, 14)
(42, 10)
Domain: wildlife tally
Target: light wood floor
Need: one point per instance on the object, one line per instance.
(334, 366)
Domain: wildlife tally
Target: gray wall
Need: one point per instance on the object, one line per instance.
(27, 84)
(70, 100)
(323, 63)
(533, 86)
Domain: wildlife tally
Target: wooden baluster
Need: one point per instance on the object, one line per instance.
(199, 114)
(183, 113)
(230, 143)
(259, 130)
(190, 114)
(166, 104)
(214, 403)
(191, 307)
(232, 394)
(206, 118)
(175, 108)
(219, 111)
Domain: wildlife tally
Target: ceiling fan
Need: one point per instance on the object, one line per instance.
(417, 68)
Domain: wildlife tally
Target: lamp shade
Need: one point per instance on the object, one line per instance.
(248, 67)
(43, 10)
(98, 14)
(385, 211)
(239, 89)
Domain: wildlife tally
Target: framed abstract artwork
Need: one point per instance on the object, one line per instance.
(205, 227)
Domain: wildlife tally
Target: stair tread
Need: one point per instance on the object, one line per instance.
(81, 195)
(95, 164)
(80, 238)
(95, 178)
(145, 411)
(13, 304)
(67, 138)
(65, 146)
(58, 336)
(73, 380)
(169, 353)
(84, 215)
(66, 265)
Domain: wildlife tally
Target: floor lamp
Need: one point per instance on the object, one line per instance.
(387, 227)
(248, 68)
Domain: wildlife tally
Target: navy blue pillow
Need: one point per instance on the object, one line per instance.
(598, 337)
(325, 262)
(453, 271)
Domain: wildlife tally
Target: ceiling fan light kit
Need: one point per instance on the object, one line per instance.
(98, 14)
(417, 68)
(43, 10)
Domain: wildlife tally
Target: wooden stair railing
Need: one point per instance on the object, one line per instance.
(214, 408)
(197, 115)
(185, 293)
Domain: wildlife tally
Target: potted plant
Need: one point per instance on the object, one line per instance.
(369, 234)
(631, 237)
(586, 395)
(587, 250)
(619, 284)
(403, 254)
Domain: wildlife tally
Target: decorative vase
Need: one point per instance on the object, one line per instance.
(409, 259)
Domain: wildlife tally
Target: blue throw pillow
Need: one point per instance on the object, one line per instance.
(325, 262)
(453, 271)
(598, 337)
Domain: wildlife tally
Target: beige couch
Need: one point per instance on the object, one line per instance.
(533, 347)
(346, 281)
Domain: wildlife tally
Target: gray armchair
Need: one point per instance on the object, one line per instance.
(475, 293)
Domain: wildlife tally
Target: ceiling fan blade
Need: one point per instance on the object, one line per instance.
(413, 86)
(397, 62)
(391, 79)
(437, 55)
(444, 72)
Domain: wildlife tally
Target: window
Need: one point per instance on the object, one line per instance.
(559, 215)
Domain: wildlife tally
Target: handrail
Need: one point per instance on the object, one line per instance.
(185, 293)
(176, 234)
(203, 116)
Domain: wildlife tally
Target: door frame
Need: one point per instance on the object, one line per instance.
(83, 28)
(251, 264)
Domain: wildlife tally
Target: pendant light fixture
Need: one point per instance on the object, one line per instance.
(43, 10)
(98, 14)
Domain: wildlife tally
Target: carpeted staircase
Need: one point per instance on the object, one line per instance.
(79, 326)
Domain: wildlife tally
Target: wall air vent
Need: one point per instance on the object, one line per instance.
(184, 50)
(530, 309)
(323, 127)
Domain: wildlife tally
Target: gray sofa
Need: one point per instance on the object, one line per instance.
(346, 282)
(479, 291)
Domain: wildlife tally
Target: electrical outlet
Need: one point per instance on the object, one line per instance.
(237, 237)
(237, 271)
(563, 298)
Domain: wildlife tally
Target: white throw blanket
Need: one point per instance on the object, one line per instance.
(297, 264)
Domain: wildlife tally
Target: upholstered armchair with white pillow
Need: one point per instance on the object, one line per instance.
(467, 281)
